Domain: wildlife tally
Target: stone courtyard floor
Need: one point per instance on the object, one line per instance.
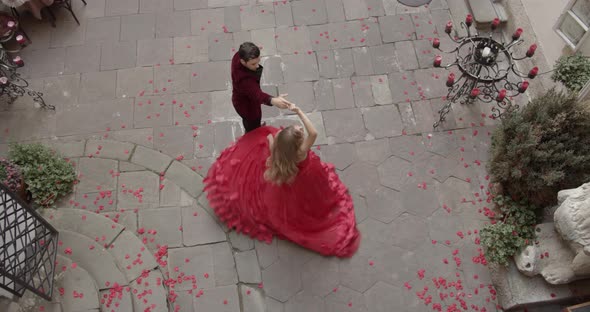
(142, 95)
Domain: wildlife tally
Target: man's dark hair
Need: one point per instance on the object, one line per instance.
(248, 51)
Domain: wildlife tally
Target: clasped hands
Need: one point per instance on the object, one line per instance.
(283, 103)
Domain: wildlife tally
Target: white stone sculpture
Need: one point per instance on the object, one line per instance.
(562, 254)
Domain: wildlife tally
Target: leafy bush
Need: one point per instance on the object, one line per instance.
(47, 174)
(515, 230)
(543, 148)
(573, 71)
(10, 175)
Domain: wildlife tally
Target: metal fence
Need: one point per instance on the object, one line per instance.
(28, 248)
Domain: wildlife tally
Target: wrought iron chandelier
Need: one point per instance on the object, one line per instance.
(12, 84)
(486, 67)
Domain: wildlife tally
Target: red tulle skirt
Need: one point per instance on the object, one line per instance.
(315, 210)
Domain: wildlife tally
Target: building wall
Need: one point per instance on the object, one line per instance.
(543, 15)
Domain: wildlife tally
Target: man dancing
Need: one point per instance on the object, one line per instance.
(247, 96)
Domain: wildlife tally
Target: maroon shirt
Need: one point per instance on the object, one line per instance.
(247, 95)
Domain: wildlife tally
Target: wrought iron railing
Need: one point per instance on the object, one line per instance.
(28, 248)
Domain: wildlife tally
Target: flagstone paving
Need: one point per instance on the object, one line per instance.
(142, 96)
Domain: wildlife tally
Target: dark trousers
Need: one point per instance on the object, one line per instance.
(251, 124)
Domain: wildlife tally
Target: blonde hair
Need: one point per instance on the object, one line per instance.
(281, 165)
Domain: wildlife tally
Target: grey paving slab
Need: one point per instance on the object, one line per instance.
(223, 299)
(248, 267)
(153, 111)
(324, 94)
(103, 29)
(272, 73)
(226, 3)
(380, 89)
(403, 87)
(110, 149)
(166, 222)
(355, 9)
(127, 249)
(154, 51)
(233, 22)
(197, 261)
(176, 142)
(69, 149)
(257, 16)
(69, 34)
(82, 59)
(192, 49)
(172, 78)
(320, 276)
(362, 90)
(199, 228)
(336, 63)
(102, 117)
(382, 296)
(384, 205)
(62, 91)
(172, 24)
(212, 76)
(157, 294)
(431, 82)
(205, 21)
(320, 37)
(155, 5)
(192, 108)
(141, 190)
(143, 137)
(384, 59)
(186, 178)
(97, 86)
(373, 152)
(96, 174)
(150, 159)
(222, 109)
(221, 46)
(346, 125)
(135, 82)
(252, 299)
(189, 4)
(121, 7)
(267, 253)
(293, 39)
(309, 12)
(300, 93)
(265, 39)
(283, 14)
(138, 26)
(304, 301)
(281, 280)
(300, 67)
(406, 55)
(345, 298)
(426, 53)
(369, 175)
(118, 55)
(45, 62)
(363, 64)
(335, 11)
(240, 242)
(343, 95)
(224, 265)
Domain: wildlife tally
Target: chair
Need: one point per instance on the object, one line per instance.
(66, 4)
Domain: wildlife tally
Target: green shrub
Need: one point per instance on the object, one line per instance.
(573, 71)
(543, 148)
(516, 229)
(47, 175)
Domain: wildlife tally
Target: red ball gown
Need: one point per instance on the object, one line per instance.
(315, 210)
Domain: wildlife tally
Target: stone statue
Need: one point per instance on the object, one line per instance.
(562, 254)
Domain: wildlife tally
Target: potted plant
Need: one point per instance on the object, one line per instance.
(573, 71)
(46, 174)
(11, 177)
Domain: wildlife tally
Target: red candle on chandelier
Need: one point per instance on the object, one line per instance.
(18, 61)
(501, 95)
(435, 43)
(437, 61)
(451, 80)
(516, 34)
(523, 86)
(533, 72)
(474, 93)
(469, 20)
(20, 39)
(495, 23)
(531, 51)
(449, 27)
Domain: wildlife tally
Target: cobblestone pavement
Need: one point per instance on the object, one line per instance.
(142, 96)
